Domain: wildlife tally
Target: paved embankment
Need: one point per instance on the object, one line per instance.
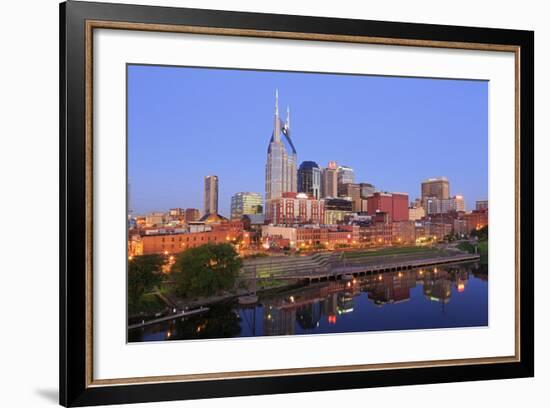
(336, 264)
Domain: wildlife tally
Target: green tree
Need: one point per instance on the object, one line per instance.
(482, 234)
(144, 273)
(205, 270)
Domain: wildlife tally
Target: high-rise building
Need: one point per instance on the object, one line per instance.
(443, 206)
(329, 180)
(346, 175)
(367, 189)
(309, 179)
(458, 204)
(280, 168)
(210, 195)
(437, 187)
(353, 192)
(482, 205)
(246, 204)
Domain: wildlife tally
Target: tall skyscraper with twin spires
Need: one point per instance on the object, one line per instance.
(280, 168)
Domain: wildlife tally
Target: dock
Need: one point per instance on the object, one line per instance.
(339, 272)
(169, 317)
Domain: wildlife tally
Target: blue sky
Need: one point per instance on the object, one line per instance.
(186, 123)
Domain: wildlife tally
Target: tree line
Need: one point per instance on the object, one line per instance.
(202, 271)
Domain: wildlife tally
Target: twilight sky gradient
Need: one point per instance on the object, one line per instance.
(186, 123)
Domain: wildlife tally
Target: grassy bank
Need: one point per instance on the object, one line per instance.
(391, 251)
(482, 250)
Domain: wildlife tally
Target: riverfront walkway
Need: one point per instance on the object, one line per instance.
(334, 265)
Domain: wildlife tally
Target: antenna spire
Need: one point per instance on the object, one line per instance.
(276, 102)
(288, 117)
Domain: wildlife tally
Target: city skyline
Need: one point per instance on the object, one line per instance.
(173, 143)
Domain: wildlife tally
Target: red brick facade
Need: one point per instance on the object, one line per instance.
(394, 204)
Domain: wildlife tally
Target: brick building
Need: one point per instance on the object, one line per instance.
(476, 219)
(172, 242)
(395, 204)
(296, 208)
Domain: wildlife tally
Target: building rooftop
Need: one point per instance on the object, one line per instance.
(212, 218)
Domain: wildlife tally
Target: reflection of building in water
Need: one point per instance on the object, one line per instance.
(330, 304)
(481, 271)
(345, 302)
(391, 287)
(279, 321)
(308, 316)
(461, 276)
(437, 286)
(307, 306)
(330, 307)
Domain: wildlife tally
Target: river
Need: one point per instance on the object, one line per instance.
(436, 297)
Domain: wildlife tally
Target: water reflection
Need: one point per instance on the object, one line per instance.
(451, 296)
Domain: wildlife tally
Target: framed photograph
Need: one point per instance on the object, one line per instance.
(256, 203)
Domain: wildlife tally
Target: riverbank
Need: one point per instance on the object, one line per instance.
(297, 272)
(482, 250)
(229, 296)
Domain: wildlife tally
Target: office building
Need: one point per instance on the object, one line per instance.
(442, 206)
(280, 168)
(337, 210)
(367, 189)
(482, 205)
(437, 187)
(345, 175)
(245, 203)
(309, 179)
(329, 181)
(353, 192)
(210, 195)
